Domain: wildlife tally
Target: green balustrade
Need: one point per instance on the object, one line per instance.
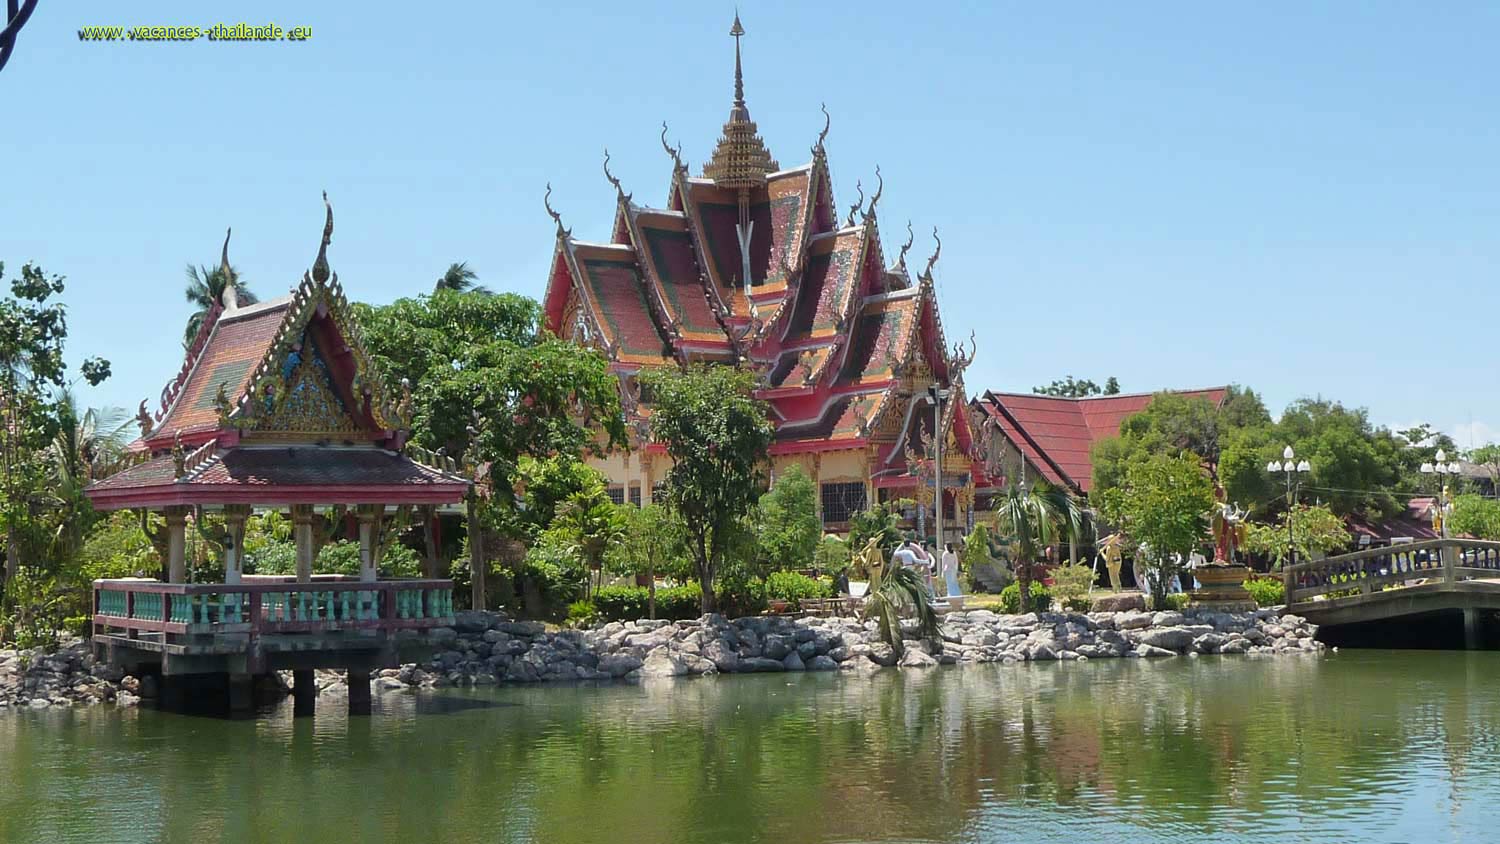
(113, 603)
(148, 606)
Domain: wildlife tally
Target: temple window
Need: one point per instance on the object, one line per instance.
(635, 495)
(842, 500)
(617, 494)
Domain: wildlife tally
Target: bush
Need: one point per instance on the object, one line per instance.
(1070, 584)
(740, 595)
(342, 557)
(832, 555)
(792, 587)
(628, 603)
(1178, 601)
(1266, 591)
(1010, 598)
(582, 613)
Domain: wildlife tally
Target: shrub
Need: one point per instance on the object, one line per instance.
(832, 555)
(740, 595)
(792, 587)
(628, 603)
(1266, 591)
(582, 613)
(1070, 584)
(1177, 601)
(1010, 598)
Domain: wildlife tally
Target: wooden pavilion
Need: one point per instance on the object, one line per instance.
(276, 408)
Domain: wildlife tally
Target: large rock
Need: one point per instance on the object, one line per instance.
(915, 658)
(822, 663)
(1167, 618)
(528, 629)
(760, 663)
(473, 621)
(882, 654)
(618, 665)
(663, 663)
(1132, 621)
(793, 662)
(1171, 638)
(1122, 602)
(1153, 651)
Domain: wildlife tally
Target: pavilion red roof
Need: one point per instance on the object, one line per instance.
(1055, 433)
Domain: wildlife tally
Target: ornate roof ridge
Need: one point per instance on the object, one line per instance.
(173, 389)
(666, 319)
(740, 160)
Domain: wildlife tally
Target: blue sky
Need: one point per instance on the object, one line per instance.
(1302, 198)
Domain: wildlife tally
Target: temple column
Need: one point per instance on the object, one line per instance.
(176, 543)
(302, 534)
(235, 516)
(369, 531)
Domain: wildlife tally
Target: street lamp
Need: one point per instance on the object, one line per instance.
(1293, 470)
(1442, 468)
(937, 394)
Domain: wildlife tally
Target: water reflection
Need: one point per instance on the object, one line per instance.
(1364, 746)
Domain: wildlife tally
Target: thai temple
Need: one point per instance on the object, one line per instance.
(751, 264)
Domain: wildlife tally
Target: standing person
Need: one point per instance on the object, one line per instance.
(928, 564)
(950, 572)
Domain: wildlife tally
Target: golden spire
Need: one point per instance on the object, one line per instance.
(320, 266)
(741, 160)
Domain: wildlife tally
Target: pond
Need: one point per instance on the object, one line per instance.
(1352, 746)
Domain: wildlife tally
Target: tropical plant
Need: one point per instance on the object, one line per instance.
(902, 591)
(459, 278)
(883, 521)
(717, 435)
(1010, 598)
(787, 526)
(591, 521)
(1267, 592)
(1033, 518)
(792, 587)
(1075, 388)
(1071, 585)
(1162, 504)
(1315, 530)
(832, 556)
(205, 287)
(652, 544)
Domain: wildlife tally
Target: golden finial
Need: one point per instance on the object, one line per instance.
(675, 153)
(859, 186)
(612, 180)
(931, 262)
(739, 78)
(827, 122)
(901, 261)
(179, 455)
(741, 160)
(556, 217)
(320, 266)
(230, 297)
(879, 188)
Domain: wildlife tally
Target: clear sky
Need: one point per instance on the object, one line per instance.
(1302, 198)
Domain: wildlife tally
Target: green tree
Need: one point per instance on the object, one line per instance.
(652, 543)
(459, 278)
(1315, 530)
(882, 521)
(590, 519)
(717, 435)
(1487, 458)
(1163, 505)
(1070, 387)
(33, 331)
(1475, 516)
(205, 287)
(787, 525)
(1033, 518)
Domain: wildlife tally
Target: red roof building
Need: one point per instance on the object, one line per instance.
(750, 264)
(1050, 436)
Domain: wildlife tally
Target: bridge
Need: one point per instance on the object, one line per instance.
(1400, 582)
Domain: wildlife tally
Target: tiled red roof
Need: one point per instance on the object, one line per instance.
(1056, 433)
(613, 283)
(830, 281)
(330, 475)
(882, 337)
(236, 343)
(669, 260)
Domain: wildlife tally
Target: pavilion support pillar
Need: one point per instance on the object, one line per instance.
(235, 516)
(428, 514)
(304, 692)
(369, 534)
(176, 543)
(359, 692)
(241, 693)
(477, 564)
(302, 535)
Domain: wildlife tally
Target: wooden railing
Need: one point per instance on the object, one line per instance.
(271, 605)
(1376, 569)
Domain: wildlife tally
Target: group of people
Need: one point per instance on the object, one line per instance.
(915, 555)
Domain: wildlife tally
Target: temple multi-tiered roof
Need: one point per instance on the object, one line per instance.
(751, 264)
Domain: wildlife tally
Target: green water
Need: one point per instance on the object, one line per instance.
(1355, 746)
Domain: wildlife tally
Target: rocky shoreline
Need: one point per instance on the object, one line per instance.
(485, 648)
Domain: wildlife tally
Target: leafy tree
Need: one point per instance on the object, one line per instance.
(1175, 424)
(652, 543)
(33, 330)
(882, 521)
(1070, 387)
(591, 521)
(1315, 530)
(1475, 516)
(1355, 465)
(787, 523)
(1487, 458)
(1033, 518)
(459, 278)
(205, 286)
(1163, 505)
(717, 435)
(832, 555)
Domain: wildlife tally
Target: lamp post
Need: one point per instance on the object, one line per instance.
(937, 394)
(1293, 471)
(1442, 468)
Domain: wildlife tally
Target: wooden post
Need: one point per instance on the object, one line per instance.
(478, 566)
(302, 534)
(370, 516)
(235, 516)
(176, 543)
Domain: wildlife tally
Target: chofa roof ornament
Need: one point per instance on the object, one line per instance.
(320, 266)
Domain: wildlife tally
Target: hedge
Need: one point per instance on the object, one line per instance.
(628, 603)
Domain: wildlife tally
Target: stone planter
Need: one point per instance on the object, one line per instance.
(1222, 587)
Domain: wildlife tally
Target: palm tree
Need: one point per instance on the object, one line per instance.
(205, 287)
(1033, 519)
(460, 279)
(902, 590)
(594, 523)
(87, 447)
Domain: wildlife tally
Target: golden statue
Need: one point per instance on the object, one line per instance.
(873, 562)
(1112, 549)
